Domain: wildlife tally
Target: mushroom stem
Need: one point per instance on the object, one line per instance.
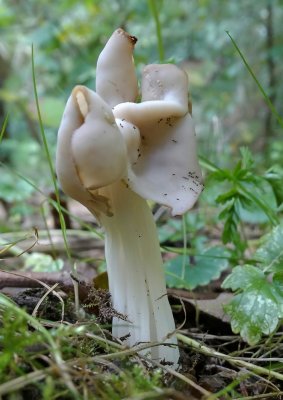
(135, 271)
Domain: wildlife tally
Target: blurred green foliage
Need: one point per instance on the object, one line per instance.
(68, 36)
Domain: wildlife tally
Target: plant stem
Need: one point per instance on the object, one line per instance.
(4, 126)
(22, 381)
(12, 248)
(240, 363)
(184, 225)
(262, 91)
(153, 9)
(49, 159)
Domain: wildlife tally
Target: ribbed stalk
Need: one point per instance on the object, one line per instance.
(135, 271)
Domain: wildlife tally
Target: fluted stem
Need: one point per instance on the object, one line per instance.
(135, 271)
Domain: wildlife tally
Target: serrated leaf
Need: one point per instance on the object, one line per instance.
(207, 267)
(271, 251)
(258, 308)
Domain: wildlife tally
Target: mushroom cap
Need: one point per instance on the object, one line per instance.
(98, 148)
(167, 170)
(116, 80)
(151, 145)
(91, 152)
(132, 138)
(164, 94)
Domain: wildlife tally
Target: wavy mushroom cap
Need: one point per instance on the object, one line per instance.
(167, 170)
(151, 145)
(91, 152)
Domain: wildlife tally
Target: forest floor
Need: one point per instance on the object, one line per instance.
(215, 363)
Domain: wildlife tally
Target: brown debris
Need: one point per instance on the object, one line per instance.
(99, 303)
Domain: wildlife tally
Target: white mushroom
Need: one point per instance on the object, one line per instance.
(116, 79)
(167, 170)
(113, 160)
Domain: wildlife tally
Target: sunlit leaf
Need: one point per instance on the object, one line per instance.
(39, 262)
(270, 253)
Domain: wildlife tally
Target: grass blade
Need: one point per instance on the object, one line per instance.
(49, 159)
(4, 126)
(265, 96)
(154, 12)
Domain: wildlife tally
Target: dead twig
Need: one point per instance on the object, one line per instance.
(34, 279)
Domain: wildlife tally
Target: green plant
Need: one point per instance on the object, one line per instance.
(243, 195)
(196, 263)
(32, 355)
(18, 345)
(198, 270)
(257, 306)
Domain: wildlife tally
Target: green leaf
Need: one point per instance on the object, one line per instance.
(39, 262)
(237, 169)
(172, 231)
(230, 232)
(270, 253)
(247, 158)
(264, 208)
(228, 211)
(278, 280)
(258, 308)
(230, 195)
(243, 277)
(207, 266)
